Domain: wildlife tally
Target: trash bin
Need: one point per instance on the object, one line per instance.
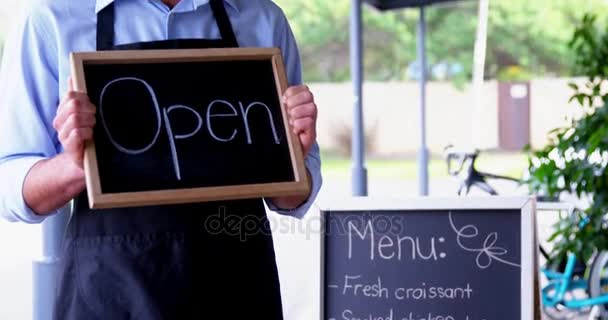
(513, 115)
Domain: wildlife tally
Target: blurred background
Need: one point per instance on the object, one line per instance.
(527, 43)
(525, 89)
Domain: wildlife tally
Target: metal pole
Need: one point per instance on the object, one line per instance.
(479, 62)
(45, 269)
(359, 172)
(423, 153)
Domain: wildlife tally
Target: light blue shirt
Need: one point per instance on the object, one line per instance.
(35, 70)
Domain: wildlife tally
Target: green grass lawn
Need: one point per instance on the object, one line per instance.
(510, 164)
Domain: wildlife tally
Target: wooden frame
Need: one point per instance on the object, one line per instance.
(97, 199)
(529, 253)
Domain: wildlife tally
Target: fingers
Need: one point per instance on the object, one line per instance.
(306, 131)
(300, 104)
(303, 125)
(302, 110)
(298, 95)
(74, 122)
(72, 103)
(308, 110)
(307, 140)
(77, 138)
(294, 90)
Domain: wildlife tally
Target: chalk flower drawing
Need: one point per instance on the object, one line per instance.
(488, 253)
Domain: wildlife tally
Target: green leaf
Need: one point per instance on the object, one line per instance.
(581, 98)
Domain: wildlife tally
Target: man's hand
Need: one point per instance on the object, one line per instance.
(52, 183)
(74, 123)
(302, 112)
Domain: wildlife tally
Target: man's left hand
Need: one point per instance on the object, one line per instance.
(302, 112)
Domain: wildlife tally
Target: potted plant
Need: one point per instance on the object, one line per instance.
(576, 158)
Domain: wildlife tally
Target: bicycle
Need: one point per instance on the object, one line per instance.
(565, 279)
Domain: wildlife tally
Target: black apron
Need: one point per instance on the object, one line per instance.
(195, 261)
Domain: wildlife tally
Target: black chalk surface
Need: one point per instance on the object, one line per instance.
(422, 264)
(187, 125)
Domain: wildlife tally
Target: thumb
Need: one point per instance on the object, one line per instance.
(71, 84)
(306, 139)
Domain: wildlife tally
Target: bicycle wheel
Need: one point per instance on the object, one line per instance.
(561, 312)
(598, 281)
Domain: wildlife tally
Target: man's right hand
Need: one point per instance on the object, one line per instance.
(52, 183)
(74, 123)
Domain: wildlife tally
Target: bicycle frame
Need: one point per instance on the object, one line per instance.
(560, 284)
(473, 178)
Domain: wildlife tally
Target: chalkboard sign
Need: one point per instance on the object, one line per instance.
(429, 259)
(399, 4)
(176, 126)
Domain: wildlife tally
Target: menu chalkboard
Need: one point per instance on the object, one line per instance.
(177, 126)
(429, 259)
(399, 4)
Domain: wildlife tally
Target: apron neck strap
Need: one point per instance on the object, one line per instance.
(106, 17)
(105, 28)
(223, 22)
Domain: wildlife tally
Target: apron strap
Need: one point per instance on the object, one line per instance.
(105, 28)
(223, 22)
(105, 25)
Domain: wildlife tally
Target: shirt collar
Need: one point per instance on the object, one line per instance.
(233, 3)
(100, 4)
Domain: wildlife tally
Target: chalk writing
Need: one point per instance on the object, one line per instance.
(395, 247)
(356, 286)
(211, 113)
(488, 252)
(173, 137)
(156, 109)
(391, 314)
(422, 265)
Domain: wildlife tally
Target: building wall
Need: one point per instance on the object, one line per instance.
(392, 114)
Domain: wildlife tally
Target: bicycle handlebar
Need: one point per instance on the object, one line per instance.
(462, 157)
(457, 161)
